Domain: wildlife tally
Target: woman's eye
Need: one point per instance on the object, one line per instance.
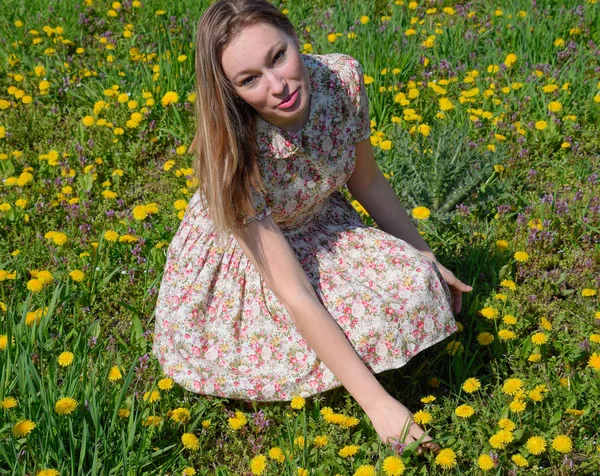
(279, 55)
(247, 81)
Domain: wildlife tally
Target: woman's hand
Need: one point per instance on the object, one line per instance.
(456, 286)
(393, 422)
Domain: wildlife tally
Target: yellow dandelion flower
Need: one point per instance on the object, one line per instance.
(489, 313)
(393, 466)
(471, 385)
(23, 428)
(502, 244)
(8, 402)
(446, 458)
(508, 283)
(536, 445)
(298, 403)
(258, 464)
(190, 441)
(320, 441)
(506, 334)
(517, 406)
(349, 450)
(539, 338)
(594, 361)
(114, 374)
(512, 386)
(428, 399)
(65, 405)
(365, 470)
(65, 359)
(464, 411)
(521, 256)
(588, 292)
(152, 396)
(562, 444)
(485, 338)
(520, 460)
(276, 454)
(485, 462)
(165, 383)
(421, 213)
(422, 417)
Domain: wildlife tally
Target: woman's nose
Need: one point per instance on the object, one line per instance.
(277, 85)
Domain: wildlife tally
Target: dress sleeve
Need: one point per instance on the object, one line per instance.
(357, 98)
(261, 209)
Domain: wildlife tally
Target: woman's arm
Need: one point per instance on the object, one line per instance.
(269, 251)
(370, 187)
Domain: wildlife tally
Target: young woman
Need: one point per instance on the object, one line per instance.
(273, 285)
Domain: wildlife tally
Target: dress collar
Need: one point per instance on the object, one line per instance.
(277, 142)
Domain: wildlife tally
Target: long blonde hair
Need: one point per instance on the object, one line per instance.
(224, 145)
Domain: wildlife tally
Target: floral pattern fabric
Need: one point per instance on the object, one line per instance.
(221, 331)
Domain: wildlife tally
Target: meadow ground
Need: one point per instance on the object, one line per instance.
(485, 121)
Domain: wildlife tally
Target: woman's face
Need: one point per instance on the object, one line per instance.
(267, 71)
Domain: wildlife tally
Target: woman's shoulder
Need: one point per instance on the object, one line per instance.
(336, 62)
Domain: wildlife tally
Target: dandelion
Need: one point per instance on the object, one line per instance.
(188, 471)
(181, 415)
(422, 417)
(594, 361)
(489, 313)
(464, 411)
(587, 292)
(506, 334)
(77, 275)
(471, 385)
(428, 399)
(165, 384)
(421, 213)
(485, 338)
(320, 441)
(539, 338)
(48, 472)
(349, 450)
(152, 396)
(65, 359)
(554, 106)
(124, 413)
(536, 445)
(562, 444)
(512, 386)
(446, 458)
(190, 441)
(3, 341)
(502, 245)
(365, 470)
(534, 357)
(152, 420)
(517, 406)
(485, 462)
(393, 466)
(276, 454)
(509, 320)
(508, 283)
(258, 464)
(520, 460)
(521, 256)
(170, 97)
(298, 403)
(65, 406)
(500, 439)
(8, 403)
(23, 428)
(114, 374)
(237, 422)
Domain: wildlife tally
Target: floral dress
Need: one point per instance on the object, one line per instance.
(221, 331)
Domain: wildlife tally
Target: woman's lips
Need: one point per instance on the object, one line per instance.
(289, 102)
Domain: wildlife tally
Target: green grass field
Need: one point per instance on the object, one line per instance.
(486, 114)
